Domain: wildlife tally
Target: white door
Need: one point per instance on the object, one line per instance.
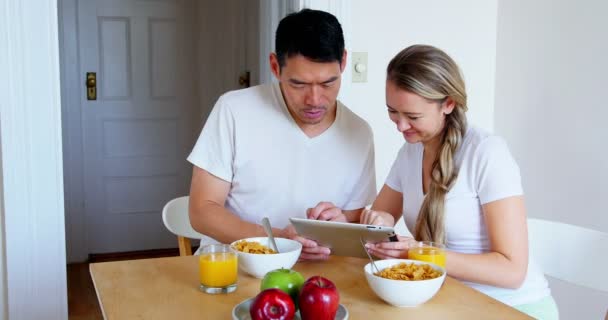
(137, 133)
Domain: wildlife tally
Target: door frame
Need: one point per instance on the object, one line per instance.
(71, 114)
(31, 206)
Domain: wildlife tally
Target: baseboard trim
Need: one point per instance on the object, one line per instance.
(133, 255)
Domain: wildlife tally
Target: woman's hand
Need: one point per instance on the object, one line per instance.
(390, 249)
(377, 218)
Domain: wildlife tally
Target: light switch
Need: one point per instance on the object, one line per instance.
(359, 62)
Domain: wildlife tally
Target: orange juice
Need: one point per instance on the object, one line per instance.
(428, 254)
(218, 269)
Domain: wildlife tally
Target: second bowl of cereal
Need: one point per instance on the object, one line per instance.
(256, 258)
(404, 283)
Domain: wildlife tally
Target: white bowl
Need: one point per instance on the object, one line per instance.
(258, 265)
(402, 293)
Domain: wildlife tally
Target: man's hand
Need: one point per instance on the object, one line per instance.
(326, 211)
(377, 218)
(310, 249)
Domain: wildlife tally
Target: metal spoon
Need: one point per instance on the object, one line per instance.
(268, 229)
(369, 256)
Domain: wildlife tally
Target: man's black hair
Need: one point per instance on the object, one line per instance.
(317, 35)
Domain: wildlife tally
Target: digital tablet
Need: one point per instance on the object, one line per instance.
(344, 239)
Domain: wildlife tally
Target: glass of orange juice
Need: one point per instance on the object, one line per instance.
(218, 268)
(427, 251)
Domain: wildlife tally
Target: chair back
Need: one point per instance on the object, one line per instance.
(176, 219)
(570, 253)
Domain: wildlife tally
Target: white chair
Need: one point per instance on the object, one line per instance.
(176, 219)
(570, 253)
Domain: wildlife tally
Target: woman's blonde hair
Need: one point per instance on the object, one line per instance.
(433, 75)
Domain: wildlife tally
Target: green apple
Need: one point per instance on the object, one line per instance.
(287, 280)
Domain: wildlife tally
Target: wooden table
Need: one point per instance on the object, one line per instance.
(167, 288)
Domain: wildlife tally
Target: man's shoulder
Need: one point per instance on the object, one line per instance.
(353, 121)
(241, 98)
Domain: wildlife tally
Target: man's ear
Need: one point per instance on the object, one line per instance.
(275, 67)
(343, 63)
(448, 105)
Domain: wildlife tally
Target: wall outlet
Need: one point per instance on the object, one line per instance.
(359, 62)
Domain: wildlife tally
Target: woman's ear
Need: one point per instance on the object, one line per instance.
(448, 105)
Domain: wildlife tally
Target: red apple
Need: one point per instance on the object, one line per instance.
(319, 299)
(272, 304)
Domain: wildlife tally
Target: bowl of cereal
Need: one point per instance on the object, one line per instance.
(256, 258)
(404, 283)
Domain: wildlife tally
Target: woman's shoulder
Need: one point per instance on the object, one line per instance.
(477, 140)
(410, 151)
(475, 135)
(492, 169)
(480, 144)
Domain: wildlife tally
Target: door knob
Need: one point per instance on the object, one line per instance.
(91, 84)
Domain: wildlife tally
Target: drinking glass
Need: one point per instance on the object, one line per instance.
(427, 251)
(218, 268)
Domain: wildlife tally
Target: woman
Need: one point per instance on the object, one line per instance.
(455, 185)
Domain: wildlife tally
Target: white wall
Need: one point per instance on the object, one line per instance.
(465, 29)
(551, 108)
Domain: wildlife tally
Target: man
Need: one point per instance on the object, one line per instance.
(277, 149)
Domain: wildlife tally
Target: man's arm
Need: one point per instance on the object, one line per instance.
(208, 215)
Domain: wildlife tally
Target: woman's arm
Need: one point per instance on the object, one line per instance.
(386, 209)
(507, 263)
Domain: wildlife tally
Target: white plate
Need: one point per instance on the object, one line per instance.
(241, 311)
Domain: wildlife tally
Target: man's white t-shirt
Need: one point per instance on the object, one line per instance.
(251, 140)
(487, 172)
